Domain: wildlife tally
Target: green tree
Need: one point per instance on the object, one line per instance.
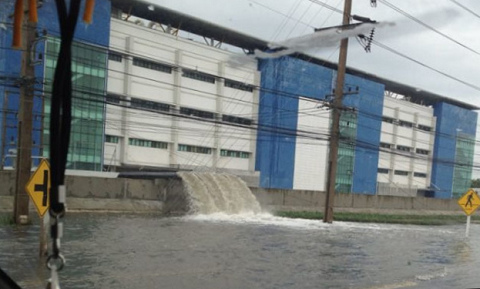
(475, 183)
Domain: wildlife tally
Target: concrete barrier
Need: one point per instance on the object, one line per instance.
(313, 199)
(171, 191)
(7, 183)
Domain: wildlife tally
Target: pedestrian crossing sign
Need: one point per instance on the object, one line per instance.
(469, 202)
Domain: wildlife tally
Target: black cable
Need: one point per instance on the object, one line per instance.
(60, 116)
(428, 26)
(424, 65)
(465, 8)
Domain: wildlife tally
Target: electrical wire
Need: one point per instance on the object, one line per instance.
(409, 16)
(465, 8)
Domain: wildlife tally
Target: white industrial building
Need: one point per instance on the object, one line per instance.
(164, 102)
(175, 103)
(169, 75)
(407, 131)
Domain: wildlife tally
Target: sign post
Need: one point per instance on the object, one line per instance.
(38, 187)
(469, 202)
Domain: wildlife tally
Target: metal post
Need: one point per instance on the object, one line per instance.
(4, 130)
(24, 146)
(335, 130)
(467, 230)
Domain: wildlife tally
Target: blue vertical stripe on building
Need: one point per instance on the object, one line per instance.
(450, 121)
(369, 107)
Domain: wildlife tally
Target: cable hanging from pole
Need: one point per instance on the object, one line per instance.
(60, 126)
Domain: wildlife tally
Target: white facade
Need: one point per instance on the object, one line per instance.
(406, 148)
(311, 155)
(163, 75)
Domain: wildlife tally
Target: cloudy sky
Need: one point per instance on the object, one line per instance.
(276, 20)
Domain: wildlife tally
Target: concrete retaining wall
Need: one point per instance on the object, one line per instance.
(170, 192)
(99, 187)
(311, 199)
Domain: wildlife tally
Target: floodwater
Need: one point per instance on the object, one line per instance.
(246, 251)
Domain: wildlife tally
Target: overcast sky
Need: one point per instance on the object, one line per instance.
(276, 20)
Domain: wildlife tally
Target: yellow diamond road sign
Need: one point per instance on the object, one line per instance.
(469, 202)
(38, 187)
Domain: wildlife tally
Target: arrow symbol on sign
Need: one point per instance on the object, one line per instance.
(43, 188)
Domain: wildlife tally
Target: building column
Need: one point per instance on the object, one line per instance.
(127, 90)
(219, 112)
(395, 124)
(177, 93)
(255, 109)
(411, 166)
(433, 123)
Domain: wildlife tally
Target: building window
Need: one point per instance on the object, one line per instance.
(113, 98)
(151, 105)
(387, 119)
(236, 119)
(197, 113)
(147, 143)
(194, 149)
(234, 154)
(111, 139)
(385, 145)
(419, 175)
(238, 85)
(424, 127)
(422, 152)
(405, 123)
(114, 56)
(152, 65)
(197, 75)
(89, 73)
(401, 173)
(403, 148)
(382, 171)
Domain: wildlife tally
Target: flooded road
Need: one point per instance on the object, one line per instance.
(261, 251)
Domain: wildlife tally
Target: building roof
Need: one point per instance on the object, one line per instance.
(156, 13)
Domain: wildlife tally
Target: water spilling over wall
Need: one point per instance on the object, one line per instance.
(208, 193)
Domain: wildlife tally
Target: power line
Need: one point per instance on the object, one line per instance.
(425, 65)
(465, 8)
(314, 136)
(334, 9)
(428, 26)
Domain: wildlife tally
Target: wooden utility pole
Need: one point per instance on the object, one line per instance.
(335, 130)
(24, 141)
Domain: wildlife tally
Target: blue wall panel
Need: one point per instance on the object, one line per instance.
(97, 33)
(276, 136)
(283, 81)
(450, 121)
(369, 105)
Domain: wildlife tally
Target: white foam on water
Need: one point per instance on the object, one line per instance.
(261, 219)
(435, 275)
(224, 198)
(266, 219)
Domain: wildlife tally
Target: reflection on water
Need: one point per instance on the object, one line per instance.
(247, 251)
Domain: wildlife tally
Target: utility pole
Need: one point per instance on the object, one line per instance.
(24, 142)
(335, 130)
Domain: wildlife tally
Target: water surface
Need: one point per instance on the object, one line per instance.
(246, 251)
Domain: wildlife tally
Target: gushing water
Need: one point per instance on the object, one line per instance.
(210, 193)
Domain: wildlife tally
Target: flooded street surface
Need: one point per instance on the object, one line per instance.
(133, 251)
